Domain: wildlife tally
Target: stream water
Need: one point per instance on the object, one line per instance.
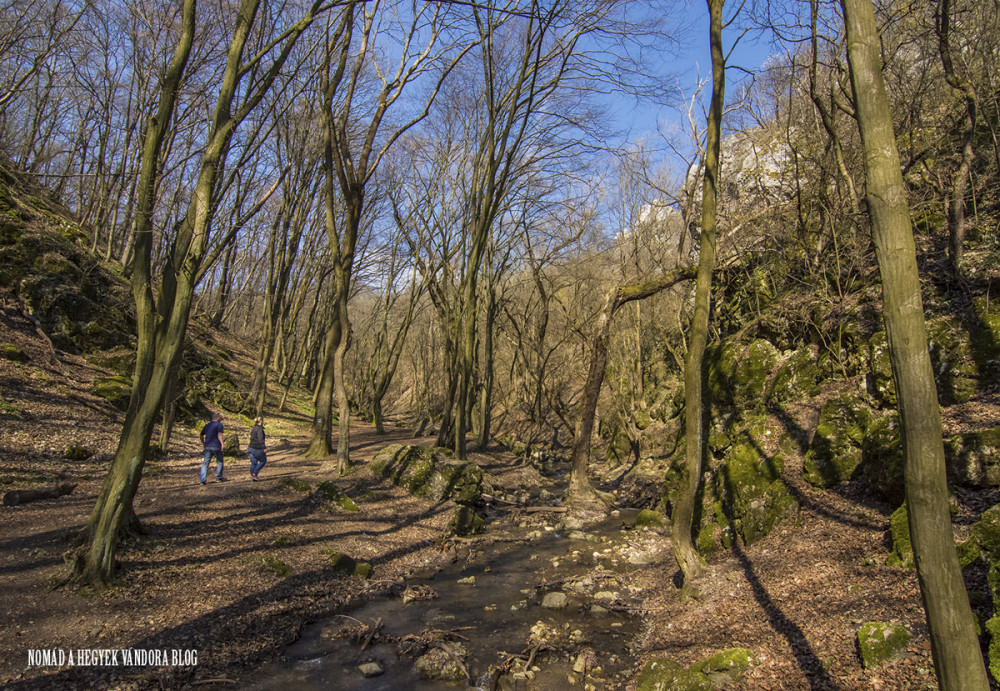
(491, 599)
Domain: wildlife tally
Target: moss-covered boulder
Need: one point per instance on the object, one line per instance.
(77, 453)
(719, 671)
(955, 371)
(882, 458)
(341, 563)
(880, 642)
(797, 378)
(115, 390)
(9, 351)
(899, 535)
(337, 496)
(738, 373)
(465, 521)
(430, 472)
(664, 674)
(878, 379)
(836, 449)
(709, 539)
(974, 458)
(647, 518)
(727, 667)
(752, 495)
(231, 446)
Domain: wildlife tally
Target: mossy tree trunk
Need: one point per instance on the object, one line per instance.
(685, 551)
(162, 321)
(955, 647)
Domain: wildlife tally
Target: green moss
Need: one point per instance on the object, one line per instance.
(278, 566)
(707, 544)
(753, 497)
(835, 452)
(332, 493)
(882, 458)
(77, 453)
(899, 532)
(283, 541)
(986, 533)
(649, 519)
(429, 472)
(295, 483)
(344, 564)
(727, 667)
(11, 352)
(115, 390)
(879, 642)
(974, 458)
(663, 674)
(797, 378)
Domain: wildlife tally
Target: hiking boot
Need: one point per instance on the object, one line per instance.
(223, 479)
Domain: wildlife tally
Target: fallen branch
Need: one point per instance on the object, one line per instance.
(23, 496)
(551, 509)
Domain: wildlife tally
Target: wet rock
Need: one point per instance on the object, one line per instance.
(468, 580)
(443, 662)
(418, 593)
(554, 600)
(371, 669)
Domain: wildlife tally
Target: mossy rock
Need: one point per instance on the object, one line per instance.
(295, 483)
(430, 472)
(880, 642)
(986, 534)
(9, 351)
(974, 458)
(955, 371)
(647, 518)
(738, 375)
(231, 446)
(664, 674)
(120, 360)
(882, 458)
(727, 667)
(344, 564)
(899, 533)
(993, 653)
(465, 521)
(708, 542)
(878, 379)
(797, 378)
(332, 493)
(752, 495)
(77, 453)
(115, 390)
(836, 449)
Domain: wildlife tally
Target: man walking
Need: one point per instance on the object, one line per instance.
(211, 439)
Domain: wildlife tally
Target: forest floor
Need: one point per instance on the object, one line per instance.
(205, 577)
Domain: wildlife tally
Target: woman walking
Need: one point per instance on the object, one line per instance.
(257, 449)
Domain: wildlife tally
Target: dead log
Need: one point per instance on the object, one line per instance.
(23, 496)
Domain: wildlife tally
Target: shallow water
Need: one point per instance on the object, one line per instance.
(492, 617)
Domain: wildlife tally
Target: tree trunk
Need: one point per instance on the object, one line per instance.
(954, 645)
(321, 443)
(687, 555)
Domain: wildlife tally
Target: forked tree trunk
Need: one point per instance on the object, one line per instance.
(954, 645)
(685, 552)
